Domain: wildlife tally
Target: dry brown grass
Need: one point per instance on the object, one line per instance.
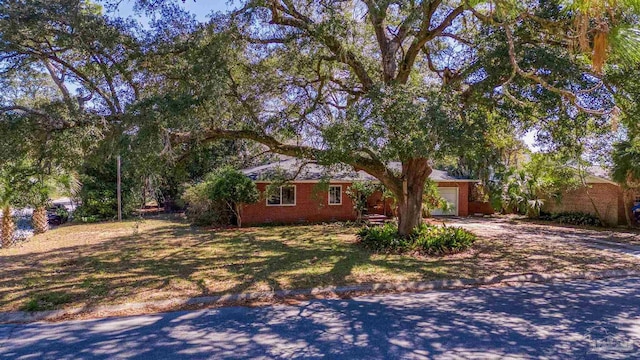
(163, 258)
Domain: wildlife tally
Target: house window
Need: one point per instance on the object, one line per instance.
(283, 196)
(335, 195)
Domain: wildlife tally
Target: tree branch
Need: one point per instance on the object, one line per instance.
(25, 110)
(568, 95)
(422, 38)
(377, 16)
(300, 22)
(59, 83)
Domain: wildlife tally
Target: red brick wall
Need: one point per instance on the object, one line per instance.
(375, 205)
(312, 205)
(607, 197)
(479, 207)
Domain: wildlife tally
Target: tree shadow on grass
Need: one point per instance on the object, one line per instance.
(166, 262)
(173, 260)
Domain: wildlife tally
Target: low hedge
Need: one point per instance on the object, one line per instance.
(572, 218)
(426, 239)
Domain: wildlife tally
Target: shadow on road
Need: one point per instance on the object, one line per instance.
(570, 320)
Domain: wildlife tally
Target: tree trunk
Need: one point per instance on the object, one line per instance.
(238, 215)
(414, 175)
(8, 227)
(628, 205)
(39, 220)
(603, 221)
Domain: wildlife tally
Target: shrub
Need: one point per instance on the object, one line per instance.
(383, 238)
(441, 240)
(87, 219)
(232, 188)
(426, 239)
(572, 218)
(201, 210)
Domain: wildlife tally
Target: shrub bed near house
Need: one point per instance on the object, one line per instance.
(426, 239)
(572, 218)
(201, 210)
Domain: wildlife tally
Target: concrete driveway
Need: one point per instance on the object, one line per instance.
(573, 320)
(616, 240)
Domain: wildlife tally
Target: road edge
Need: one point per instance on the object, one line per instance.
(13, 317)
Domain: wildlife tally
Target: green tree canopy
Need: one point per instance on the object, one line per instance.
(233, 188)
(361, 82)
(369, 82)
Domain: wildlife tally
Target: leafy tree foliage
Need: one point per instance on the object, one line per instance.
(362, 82)
(233, 188)
(368, 82)
(546, 177)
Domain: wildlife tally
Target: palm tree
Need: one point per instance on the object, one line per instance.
(41, 191)
(7, 224)
(40, 201)
(601, 33)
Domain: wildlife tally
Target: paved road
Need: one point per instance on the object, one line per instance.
(575, 320)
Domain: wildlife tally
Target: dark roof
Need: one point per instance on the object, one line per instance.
(291, 168)
(596, 174)
(598, 171)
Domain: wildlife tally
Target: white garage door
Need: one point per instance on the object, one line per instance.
(451, 195)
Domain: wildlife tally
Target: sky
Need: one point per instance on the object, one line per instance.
(201, 8)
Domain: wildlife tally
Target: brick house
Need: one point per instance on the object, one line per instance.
(601, 191)
(318, 194)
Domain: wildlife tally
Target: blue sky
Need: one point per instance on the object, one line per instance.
(201, 8)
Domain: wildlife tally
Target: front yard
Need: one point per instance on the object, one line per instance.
(163, 258)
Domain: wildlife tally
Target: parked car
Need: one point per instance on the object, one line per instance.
(57, 215)
(636, 212)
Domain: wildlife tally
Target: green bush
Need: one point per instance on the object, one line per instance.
(426, 239)
(441, 240)
(201, 210)
(572, 218)
(233, 189)
(383, 238)
(63, 213)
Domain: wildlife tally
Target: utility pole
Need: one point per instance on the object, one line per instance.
(119, 191)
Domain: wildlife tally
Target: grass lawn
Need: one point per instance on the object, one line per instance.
(163, 258)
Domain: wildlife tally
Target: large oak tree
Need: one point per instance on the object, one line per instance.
(369, 82)
(358, 82)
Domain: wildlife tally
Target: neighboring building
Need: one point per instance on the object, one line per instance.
(306, 199)
(601, 191)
